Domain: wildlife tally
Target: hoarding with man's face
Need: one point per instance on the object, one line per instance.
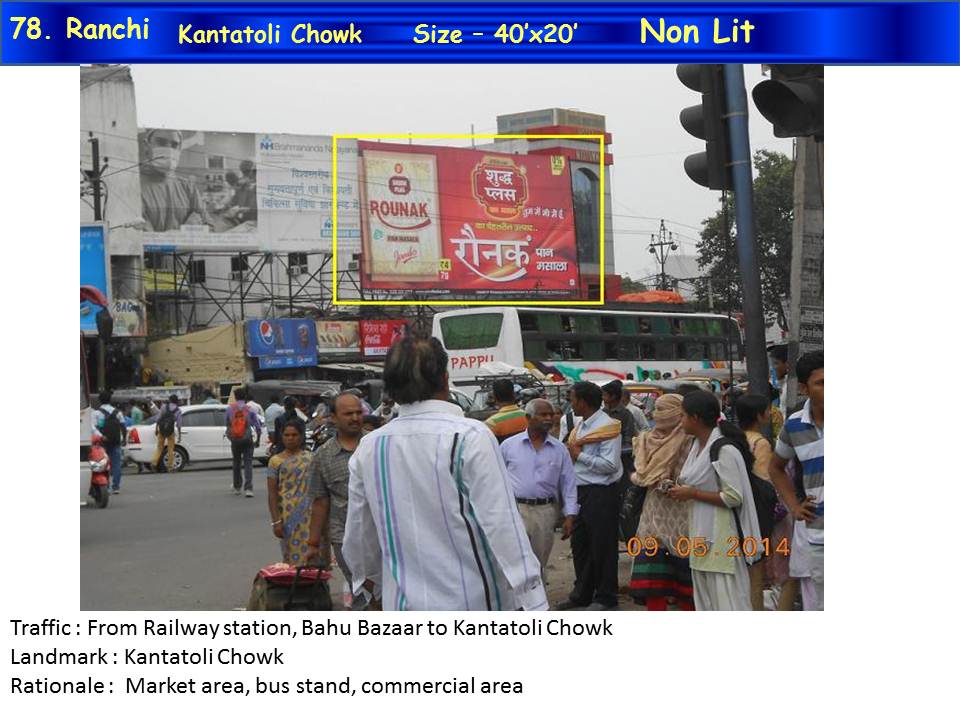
(246, 191)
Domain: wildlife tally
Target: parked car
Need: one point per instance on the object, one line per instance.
(203, 438)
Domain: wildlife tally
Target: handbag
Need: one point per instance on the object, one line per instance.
(285, 587)
(630, 511)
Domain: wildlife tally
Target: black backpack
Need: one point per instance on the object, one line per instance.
(764, 498)
(166, 423)
(113, 429)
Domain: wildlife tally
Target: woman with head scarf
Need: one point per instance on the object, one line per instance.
(659, 572)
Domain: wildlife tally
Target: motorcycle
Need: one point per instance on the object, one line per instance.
(100, 474)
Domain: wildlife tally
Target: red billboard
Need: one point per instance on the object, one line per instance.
(466, 222)
(377, 336)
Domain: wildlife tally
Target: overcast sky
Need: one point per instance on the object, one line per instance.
(641, 104)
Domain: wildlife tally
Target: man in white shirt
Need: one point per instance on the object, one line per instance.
(256, 407)
(594, 447)
(638, 417)
(432, 523)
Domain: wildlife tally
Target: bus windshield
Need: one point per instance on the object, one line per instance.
(467, 332)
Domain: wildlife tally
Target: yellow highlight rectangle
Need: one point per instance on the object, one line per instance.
(455, 136)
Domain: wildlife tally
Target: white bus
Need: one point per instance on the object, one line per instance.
(595, 345)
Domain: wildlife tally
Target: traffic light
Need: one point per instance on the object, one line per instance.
(707, 121)
(792, 99)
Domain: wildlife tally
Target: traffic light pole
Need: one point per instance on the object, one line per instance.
(757, 371)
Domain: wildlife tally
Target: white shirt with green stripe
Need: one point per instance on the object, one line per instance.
(431, 517)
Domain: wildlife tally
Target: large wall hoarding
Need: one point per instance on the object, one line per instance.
(246, 191)
(94, 271)
(447, 221)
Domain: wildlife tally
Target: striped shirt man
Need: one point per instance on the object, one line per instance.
(507, 421)
(432, 520)
(802, 439)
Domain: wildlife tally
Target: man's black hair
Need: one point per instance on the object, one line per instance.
(503, 391)
(588, 393)
(807, 364)
(614, 389)
(415, 369)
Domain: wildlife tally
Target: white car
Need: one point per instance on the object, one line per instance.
(203, 437)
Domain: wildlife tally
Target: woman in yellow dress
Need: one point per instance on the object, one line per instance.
(288, 496)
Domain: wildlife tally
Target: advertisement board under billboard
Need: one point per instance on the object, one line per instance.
(376, 336)
(446, 220)
(283, 343)
(129, 318)
(336, 337)
(94, 271)
(246, 191)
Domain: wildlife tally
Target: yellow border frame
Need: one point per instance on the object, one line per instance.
(563, 303)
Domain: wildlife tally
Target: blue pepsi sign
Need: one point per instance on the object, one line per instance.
(285, 343)
(93, 272)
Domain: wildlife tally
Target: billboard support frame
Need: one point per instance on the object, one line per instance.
(470, 303)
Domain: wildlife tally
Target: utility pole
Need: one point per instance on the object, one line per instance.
(806, 267)
(660, 247)
(94, 177)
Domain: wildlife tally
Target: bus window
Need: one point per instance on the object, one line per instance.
(534, 349)
(557, 350)
(665, 351)
(694, 326)
(645, 328)
(690, 350)
(627, 325)
(586, 324)
(647, 350)
(466, 332)
(715, 327)
(528, 322)
(566, 323)
(660, 325)
(549, 323)
(593, 351)
(675, 328)
(626, 350)
(608, 324)
(718, 350)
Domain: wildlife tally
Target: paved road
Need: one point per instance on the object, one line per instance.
(186, 542)
(175, 542)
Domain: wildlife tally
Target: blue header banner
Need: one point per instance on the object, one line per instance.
(285, 343)
(866, 33)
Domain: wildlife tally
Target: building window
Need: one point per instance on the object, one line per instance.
(215, 162)
(297, 263)
(238, 267)
(198, 272)
(586, 214)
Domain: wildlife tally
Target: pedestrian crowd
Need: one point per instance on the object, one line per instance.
(423, 508)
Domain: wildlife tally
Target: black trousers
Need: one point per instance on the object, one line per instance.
(594, 545)
(242, 453)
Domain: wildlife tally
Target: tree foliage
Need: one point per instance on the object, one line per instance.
(773, 226)
(629, 285)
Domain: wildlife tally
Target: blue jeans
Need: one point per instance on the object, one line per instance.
(116, 463)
